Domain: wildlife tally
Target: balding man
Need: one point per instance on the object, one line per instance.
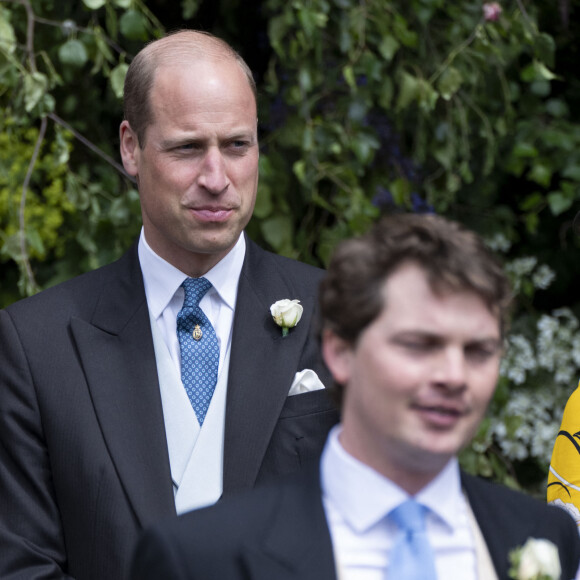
(161, 382)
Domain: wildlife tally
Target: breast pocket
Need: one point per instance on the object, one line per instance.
(300, 433)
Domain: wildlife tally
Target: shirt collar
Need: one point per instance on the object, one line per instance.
(162, 280)
(343, 477)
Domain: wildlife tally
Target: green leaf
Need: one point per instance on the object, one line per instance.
(364, 145)
(541, 88)
(532, 221)
(408, 91)
(299, 169)
(348, 74)
(73, 53)
(117, 79)
(386, 93)
(123, 3)
(541, 174)
(94, 4)
(7, 36)
(559, 203)
(532, 201)
(277, 231)
(133, 25)
(388, 47)
(572, 172)
(35, 85)
(449, 83)
(557, 108)
(524, 150)
(545, 48)
(401, 190)
(189, 8)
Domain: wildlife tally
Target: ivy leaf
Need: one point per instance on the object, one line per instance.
(388, 47)
(133, 25)
(7, 36)
(189, 8)
(263, 207)
(117, 79)
(544, 48)
(35, 85)
(408, 91)
(123, 3)
(278, 231)
(449, 83)
(557, 108)
(559, 202)
(73, 53)
(541, 174)
(524, 150)
(94, 4)
(537, 71)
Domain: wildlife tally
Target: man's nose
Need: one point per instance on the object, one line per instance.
(451, 369)
(213, 175)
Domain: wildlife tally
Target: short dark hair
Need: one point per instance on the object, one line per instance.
(179, 46)
(452, 257)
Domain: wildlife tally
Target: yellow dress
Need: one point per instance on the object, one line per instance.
(564, 476)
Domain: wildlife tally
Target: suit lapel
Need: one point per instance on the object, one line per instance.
(501, 532)
(116, 351)
(261, 360)
(297, 545)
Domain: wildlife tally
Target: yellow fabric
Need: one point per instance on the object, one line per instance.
(564, 476)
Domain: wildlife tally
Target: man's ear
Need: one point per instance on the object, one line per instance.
(337, 354)
(129, 147)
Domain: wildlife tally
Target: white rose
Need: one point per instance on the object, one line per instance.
(286, 313)
(539, 559)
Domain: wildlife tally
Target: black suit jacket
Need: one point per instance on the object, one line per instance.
(280, 532)
(84, 465)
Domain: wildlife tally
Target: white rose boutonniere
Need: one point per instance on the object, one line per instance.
(286, 314)
(536, 560)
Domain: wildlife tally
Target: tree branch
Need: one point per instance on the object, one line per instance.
(91, 146)
(23, 246)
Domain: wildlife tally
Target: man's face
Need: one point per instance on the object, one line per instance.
(420, 377)
(198, 169)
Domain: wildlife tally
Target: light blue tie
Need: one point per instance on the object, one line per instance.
(200, 351)
(411, 557)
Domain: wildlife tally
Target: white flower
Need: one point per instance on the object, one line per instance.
(286, 314)
(537, 559)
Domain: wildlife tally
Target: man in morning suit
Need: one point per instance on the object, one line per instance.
(413, 315)
(98, 436)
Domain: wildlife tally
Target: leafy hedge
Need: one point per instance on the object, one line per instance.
(366, 107)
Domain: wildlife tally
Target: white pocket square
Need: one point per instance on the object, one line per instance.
(305, 381)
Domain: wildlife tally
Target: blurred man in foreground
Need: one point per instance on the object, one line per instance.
(413, 316)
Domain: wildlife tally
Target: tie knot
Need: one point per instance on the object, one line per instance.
(195, 289)
(409, 516)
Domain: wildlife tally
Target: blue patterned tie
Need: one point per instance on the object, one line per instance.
(200, 351)
(411, 557)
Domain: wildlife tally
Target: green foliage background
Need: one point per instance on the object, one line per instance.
(365, 107)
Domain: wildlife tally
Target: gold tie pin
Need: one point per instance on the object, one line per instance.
(197, 333)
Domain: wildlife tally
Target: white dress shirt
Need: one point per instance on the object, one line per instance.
(357, 500)
(195, 452)
(165, 295)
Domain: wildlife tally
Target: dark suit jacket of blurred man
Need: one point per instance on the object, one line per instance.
(82, 438)
(280, 532)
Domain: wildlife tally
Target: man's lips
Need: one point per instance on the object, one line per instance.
(211, 214)
(442, 415)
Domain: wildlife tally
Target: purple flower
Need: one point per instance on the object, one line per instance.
(491, 11)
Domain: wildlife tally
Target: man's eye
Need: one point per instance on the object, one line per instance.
(480, 353)
(418, 346)
(239, 145)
